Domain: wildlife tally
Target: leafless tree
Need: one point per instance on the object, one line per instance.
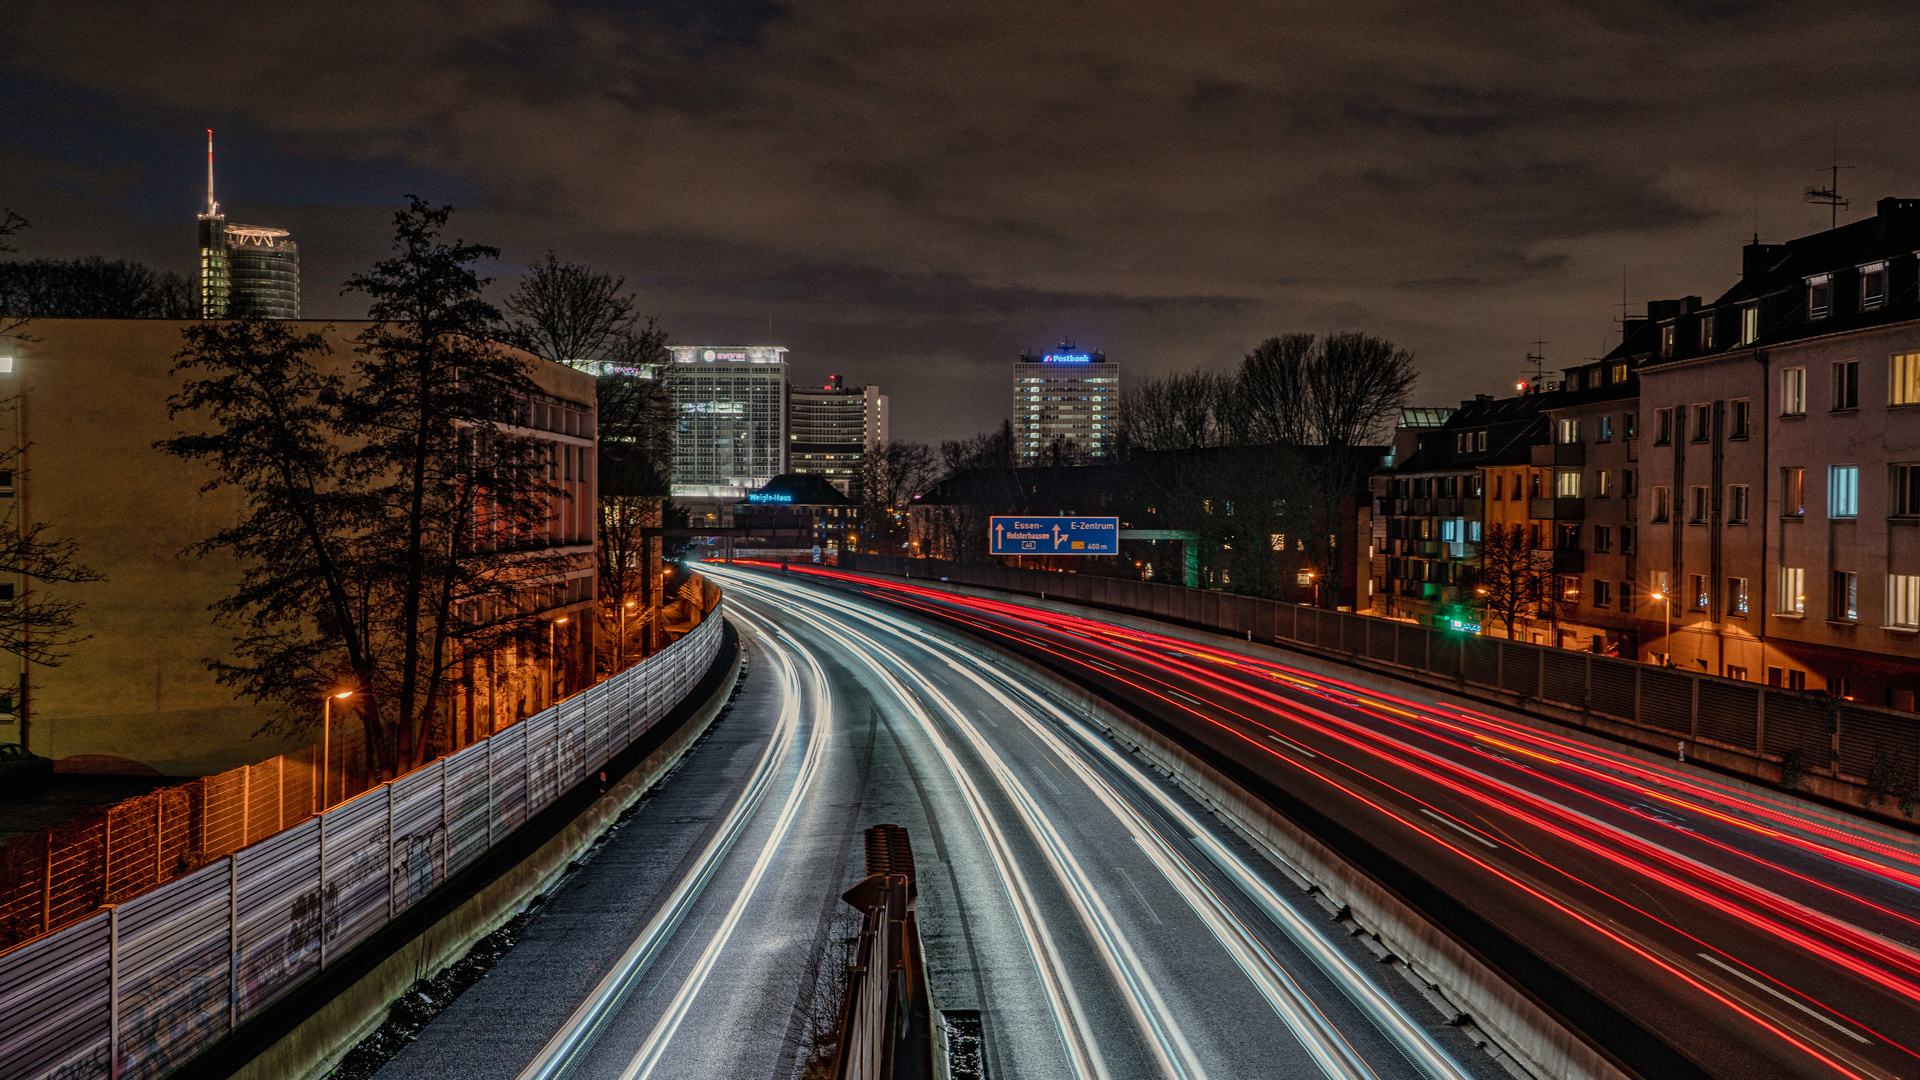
(1271, 392)
(565, 312)
(1173, 412)
(1513, 582)
(891, 474)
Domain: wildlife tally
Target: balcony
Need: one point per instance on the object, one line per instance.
(1553, 454)
(1557, 509)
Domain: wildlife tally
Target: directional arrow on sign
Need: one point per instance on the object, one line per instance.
(999, 535)
(1058, 536)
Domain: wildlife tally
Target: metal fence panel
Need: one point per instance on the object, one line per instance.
(466, 806)
(1410, 644)
(176, 966)
(419, 848)
(509, 802)
(1614, 686)
(277, 905)
(1666, 700)
(1798, 724)
(53, 1004)
(1520, 668)
(542, 761)
(1881, 749)
(1483, 661)
(355, 896)
(1729, 713)
(1564, 677)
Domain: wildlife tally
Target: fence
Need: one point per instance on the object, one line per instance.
(1876, 748)
(139, 988)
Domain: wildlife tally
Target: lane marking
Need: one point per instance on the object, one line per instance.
(1284, 741)
(1452, 824)
(1142, 897)
(1801, 1005)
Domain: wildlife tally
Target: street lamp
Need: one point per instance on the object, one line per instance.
(553, 657)
(1664, 597)
(621, 658)
(326, 748)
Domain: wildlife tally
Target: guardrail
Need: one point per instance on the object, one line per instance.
(136, 990)
(1876, 751)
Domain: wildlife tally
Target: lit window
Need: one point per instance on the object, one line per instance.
(1620, 372)
(1605, 481)
(1706, 331)
(1793, 591)
(1666, 341)
(1737, 597)
(1903, 600)
(1569, 432)
(1904, 379)
(1567, 484)
(1793, 392)
(1698, 590)
(1843, 491)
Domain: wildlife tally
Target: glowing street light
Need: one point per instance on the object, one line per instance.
(326, 746)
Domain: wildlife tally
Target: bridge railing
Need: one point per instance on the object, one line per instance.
(138, 988)
(1876, 752)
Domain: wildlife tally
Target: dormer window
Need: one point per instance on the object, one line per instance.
(1706, 332)
(1620, 372)
(1750, 324)
(1819, 296)
(1873, 286)
(1667, 335)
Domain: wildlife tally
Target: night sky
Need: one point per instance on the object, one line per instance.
(915, 192)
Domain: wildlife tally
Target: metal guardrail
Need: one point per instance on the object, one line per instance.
(1878, 749)
(884, 1020)
(139, 988)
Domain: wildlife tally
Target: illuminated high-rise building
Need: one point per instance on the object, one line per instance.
(245, 271)
(830, 429)
(1065, 403)
(729, 419)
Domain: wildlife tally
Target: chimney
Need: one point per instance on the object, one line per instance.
(1757, 259)
(1899, 218)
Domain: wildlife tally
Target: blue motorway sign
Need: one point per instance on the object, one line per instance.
(1055, 535)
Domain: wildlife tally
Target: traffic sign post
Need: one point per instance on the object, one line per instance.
(1054, 535)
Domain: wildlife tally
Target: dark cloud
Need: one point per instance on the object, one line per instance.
(912, 193)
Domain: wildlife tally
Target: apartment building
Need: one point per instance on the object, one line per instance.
(1781, 523)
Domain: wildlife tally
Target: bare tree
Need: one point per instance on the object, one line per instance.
(1513, 582)
(1173, 412)
(1272, 391)
(565, 313)
(891, 474)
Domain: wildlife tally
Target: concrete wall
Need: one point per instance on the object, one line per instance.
(136, 696)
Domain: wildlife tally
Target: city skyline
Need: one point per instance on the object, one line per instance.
(1464, 187)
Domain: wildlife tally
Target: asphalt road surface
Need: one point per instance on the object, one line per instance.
(1100, 922)
(1753, 934)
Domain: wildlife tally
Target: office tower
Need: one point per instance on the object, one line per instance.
(1064, 404)
(246, 271)
(730, 419)
(831, 427)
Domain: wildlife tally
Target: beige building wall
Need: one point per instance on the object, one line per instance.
(94, 401)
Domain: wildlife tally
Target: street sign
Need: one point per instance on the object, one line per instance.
(1054, 535)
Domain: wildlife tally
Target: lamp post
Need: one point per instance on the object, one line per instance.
(1665, 597)
(326, 748)
(553, 659)
(620, 657)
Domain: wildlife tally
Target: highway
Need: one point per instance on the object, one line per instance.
(1752, 934)
(1101, 923)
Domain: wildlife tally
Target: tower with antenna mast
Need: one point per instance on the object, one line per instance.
(245, 271)
(1829, 196)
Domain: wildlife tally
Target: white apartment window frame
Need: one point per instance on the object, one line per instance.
(1819, 296)
(1793, 391)
(1903, 379)
(1566, 484)
(1843, 492)
(1903, 602)
(1749, 324)
(1792, 601)
(1869, 272)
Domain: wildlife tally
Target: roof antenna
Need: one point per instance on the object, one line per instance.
(1830, 196)
(213, 208)
(1538, 357)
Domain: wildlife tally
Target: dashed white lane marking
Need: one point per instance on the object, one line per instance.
(1462, 829)
(1290, 744)
(1801, 1005)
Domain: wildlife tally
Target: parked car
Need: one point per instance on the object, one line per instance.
(18, 766)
